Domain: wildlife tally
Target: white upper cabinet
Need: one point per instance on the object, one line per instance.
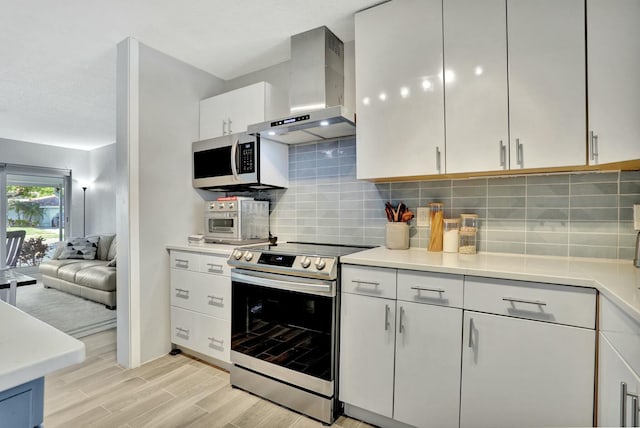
(399, 94)
(233, 111)
(547, 88)
(613, 41)
(475, 60)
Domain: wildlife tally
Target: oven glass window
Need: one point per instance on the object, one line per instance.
(286, 328)
(216, 223)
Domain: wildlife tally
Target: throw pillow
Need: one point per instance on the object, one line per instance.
(112, 249)
(59, 247)
(103, 246)
(112, 263)
(80, 248)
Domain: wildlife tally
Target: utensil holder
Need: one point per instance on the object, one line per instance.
(397, 236)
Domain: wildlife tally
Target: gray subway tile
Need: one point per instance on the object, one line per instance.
(591, 251)
(476, 191)
(548, 190)
(327, 197)
(328, 214)
(630, 176)
(507, 181)
(306, 207)
(351, 196)
(626, 227)
(354, 222)
(547, 214)
(405, 193)
(594, 189)
(377, 205)
(595, 239)
(470, 202)
(594, 214)
(506, 213)
(556, 238)
(626, 253)
(594, 177)
(507, 202)
(593, 227)
(630, 187)
(405, 185)
(352, 231)
(627, 240)
(628, 201)
(625, 214)
(507, 191)
(548, 202)
(307, 164)
(470, 182)
(548, 179)
(506, 247)
(347, 205)
(505, 224)
(436, 184)
(435, 194)
(603, 201)
(355, 186)
(547, 249)
(505, 236)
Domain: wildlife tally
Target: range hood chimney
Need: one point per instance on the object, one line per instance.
(316, 94)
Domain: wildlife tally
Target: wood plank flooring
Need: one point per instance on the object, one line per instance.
(172, 391)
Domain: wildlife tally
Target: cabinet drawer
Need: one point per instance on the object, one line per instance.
(204, 334)
(369, 281)
(622, 331)
(558, 304)
(208, 294)
(429, 287)
(185, 260)
(216, 265)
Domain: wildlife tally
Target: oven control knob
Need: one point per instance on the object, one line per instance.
(306, 262)
(248, 255)
(237, 254)
(320, 264)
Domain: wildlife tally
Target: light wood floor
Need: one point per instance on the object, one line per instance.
(172, 391)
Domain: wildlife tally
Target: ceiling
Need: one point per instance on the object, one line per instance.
(57, 80)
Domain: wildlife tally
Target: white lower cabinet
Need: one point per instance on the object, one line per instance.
(518, 372)
(201, 303)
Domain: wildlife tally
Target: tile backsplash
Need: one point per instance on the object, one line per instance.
(579, 214)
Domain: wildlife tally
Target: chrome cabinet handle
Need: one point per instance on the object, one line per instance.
(503, 155)
(594, 146)
(182, 263)
(230, 131)
(185, 331)
(234, 167)
(182, 291)
(435, 290)
(634, 411)
(438, 162)
(401, 326)
(519, 152)
(624, 393)
(224, 127)
(214, 340)
(212, 298)
(531, 302)
(386, 317)
(470, 333)
(359, 282)
(214, 268)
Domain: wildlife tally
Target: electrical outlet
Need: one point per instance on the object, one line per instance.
(422, 217)
(636, 217)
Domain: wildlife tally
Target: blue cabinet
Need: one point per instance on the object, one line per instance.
(22, 406)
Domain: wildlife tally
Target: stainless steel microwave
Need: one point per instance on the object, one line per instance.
(239, 162)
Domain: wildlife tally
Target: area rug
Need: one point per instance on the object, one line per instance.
(72, 314)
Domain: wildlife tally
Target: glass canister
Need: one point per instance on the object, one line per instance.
(436, 216)
(450, 235)
(467, 243)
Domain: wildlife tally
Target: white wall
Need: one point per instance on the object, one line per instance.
(31, 154)
(101, 191)
(158, 119)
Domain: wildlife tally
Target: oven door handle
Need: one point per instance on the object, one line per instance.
(321, 289)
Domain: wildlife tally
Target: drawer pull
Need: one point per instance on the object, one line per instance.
(624, 393)
(360, 282)
(634, 410)
(401, 325)
(213, 298)
(531, 302)
(181, 292)
(435, 290)
(182, 263)
(470, 332)
(214, 340)
(386, 317)
(213, 268)
(183, 331)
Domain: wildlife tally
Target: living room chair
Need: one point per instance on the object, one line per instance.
(15, 239)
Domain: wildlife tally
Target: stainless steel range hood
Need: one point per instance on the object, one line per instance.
(316, 94)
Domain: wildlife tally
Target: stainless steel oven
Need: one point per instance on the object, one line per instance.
(285, 325)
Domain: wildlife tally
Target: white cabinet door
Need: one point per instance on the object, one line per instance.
(614, 79)
(612, 371)
(477, 123)
(428, 353)
(547, 88)
(525, 373)
(367, 352)
(399, 94)
(214, 116)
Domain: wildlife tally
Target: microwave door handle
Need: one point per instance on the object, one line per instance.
(234, 151)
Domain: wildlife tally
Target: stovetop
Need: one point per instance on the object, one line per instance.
(302, 259)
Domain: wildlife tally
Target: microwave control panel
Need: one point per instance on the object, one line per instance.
(247, 163)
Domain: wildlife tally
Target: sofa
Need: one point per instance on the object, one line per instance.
(85, 267)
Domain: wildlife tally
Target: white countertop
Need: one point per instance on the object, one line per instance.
(618, 280)
(30, 348)
(218, 249)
